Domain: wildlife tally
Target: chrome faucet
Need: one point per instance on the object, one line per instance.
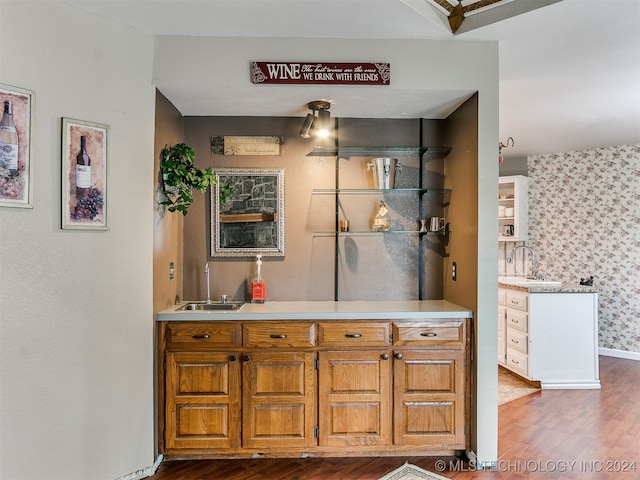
(206, 274)
(534, 265)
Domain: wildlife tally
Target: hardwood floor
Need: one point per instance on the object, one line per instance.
(552, 434)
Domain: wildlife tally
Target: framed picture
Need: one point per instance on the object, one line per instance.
(251, 221)
(84, 174)
(16, 132)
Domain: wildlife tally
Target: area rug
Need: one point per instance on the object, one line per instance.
(511, 387)
(411, 472)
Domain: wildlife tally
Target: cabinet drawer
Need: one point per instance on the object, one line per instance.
(518, 362)
(502, 296)
(518, 300)
(518, 320)
(279, 334)
(428, 333)
(502, 315)
(195, 335)
(518, 341)
(354, 333)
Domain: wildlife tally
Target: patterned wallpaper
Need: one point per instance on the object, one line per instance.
(584, 219)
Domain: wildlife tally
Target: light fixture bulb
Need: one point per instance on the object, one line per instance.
(323, 126)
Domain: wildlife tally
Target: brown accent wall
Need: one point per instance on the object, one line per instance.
(461, 175)
(370, 267)
(306, 272)
(168, 227)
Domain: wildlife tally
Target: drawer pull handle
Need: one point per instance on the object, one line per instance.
(515, 362)
(398, 356)
(232, 358)
(353, 335)
(428, 334)
(203, 336)
(515, 341)
(384, 356)
(246, 358)
(278, 335)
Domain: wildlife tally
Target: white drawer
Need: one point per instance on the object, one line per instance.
(518, 341)
(518, 300)
(518, 362)
(502, 296)
(518, 320)
(502, 315)
(501, 349)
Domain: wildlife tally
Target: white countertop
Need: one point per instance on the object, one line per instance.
(324, 310)
(542, 287)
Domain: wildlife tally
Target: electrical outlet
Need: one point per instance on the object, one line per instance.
(172, 271)
(454, 271)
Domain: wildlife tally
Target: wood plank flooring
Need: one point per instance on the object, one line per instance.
(552, 434)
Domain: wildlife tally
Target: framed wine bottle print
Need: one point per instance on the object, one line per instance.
(84, 175)
(16, 131)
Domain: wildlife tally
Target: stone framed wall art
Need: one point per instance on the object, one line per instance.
(252, 220)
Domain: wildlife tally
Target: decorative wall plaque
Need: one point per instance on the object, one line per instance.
(321, 73)
(246, 145)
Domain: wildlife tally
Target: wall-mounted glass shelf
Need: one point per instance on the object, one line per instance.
(355, 151)
(367, 191)
(368, 233)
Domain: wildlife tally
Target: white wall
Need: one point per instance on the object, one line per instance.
(76, 320)
(188, 62)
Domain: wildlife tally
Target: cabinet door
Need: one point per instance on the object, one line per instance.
(202, 400)
(429, 399)
(279, 401)
(355, 398)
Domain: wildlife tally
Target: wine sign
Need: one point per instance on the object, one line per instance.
(84, 175)
(320, 73)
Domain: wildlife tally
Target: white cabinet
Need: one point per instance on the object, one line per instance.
(513, 208)
(551, 337)
(502, 326)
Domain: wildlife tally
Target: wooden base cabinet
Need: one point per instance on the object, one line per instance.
(279, 408)
(355, 398)
(203, 400)
(429, 398)
(298, 388)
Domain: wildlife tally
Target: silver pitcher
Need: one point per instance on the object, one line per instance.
(384, 172)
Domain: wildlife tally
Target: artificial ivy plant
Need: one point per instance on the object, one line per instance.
(180, 177)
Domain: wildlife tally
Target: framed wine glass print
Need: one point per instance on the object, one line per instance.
(16, 131)
(84, 175)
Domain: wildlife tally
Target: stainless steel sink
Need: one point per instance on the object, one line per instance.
(213, 306)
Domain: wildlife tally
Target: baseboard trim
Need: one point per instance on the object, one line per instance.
(145, 472)
(594, 385)
(610, 352)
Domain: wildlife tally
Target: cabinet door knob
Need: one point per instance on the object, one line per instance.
(353, 335)
(428, 334)
(203, 336)
(246, 358)
(384, 356)
(278, 335)
(232, 358)
(398, 356)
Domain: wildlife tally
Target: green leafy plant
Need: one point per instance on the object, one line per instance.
(179, 177)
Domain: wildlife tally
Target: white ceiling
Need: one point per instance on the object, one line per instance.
(569, 71)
